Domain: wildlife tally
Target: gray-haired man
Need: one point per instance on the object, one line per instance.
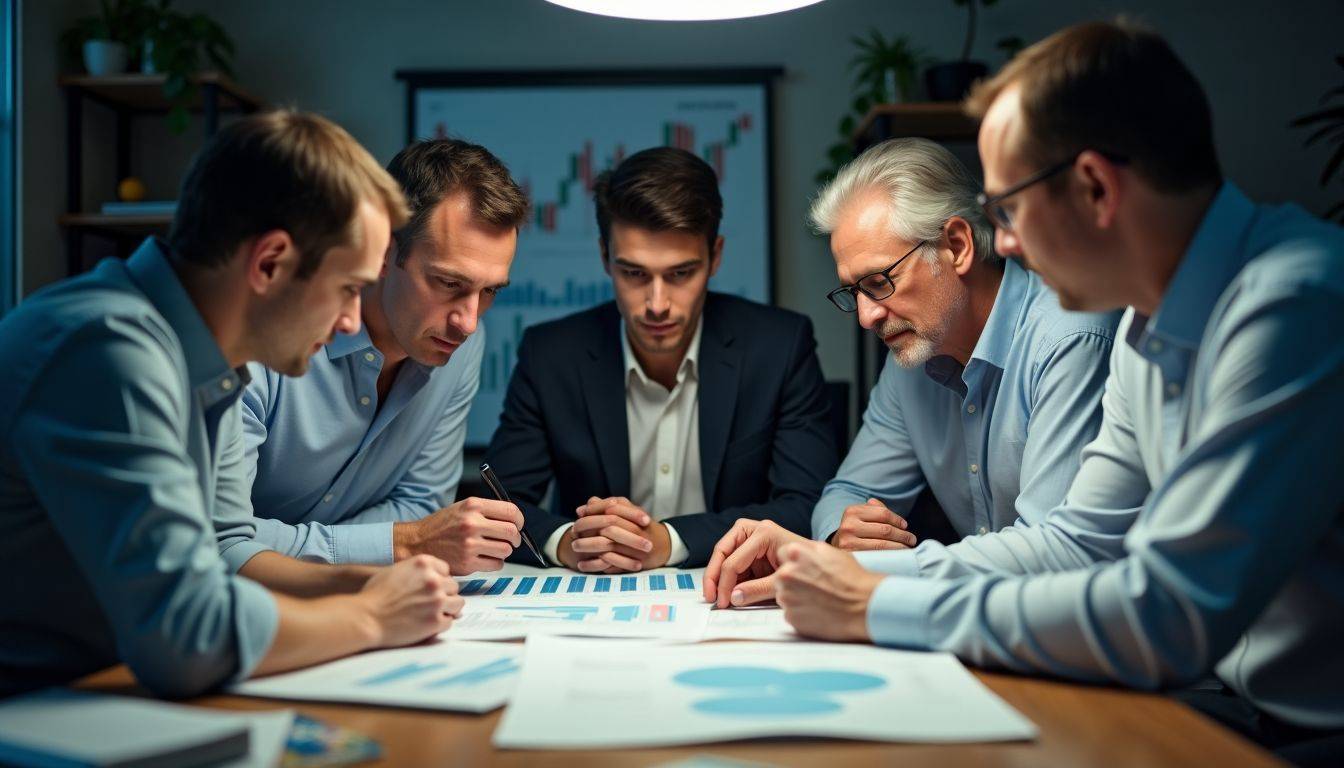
(992, 389)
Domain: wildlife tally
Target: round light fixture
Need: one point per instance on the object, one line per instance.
(683, 10)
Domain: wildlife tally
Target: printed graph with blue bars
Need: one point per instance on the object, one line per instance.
(654, 584)
(414, 673)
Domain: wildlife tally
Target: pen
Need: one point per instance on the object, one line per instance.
(497, 488)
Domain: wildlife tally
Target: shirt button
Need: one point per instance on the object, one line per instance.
(364, 400)
(983, 530)
(1155, 346)
(368, 356)
(665, 469)
(970, 409)
(975, 468)
(1173, 389)
(226, 385)
(327, 499)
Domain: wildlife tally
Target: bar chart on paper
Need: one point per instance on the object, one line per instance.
(459, 676)
(672, 585)
(591, 615)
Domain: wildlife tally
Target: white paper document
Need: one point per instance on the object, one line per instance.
(595, 693)
(670, 583)
(748, 624)
(452, 675)
(269, 735)
(588, 615)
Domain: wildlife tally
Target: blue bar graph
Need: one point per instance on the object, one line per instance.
(561, 612)
(471, 587)
(400, 673)
(684, 581)
(602, 584)
(499, 586)
(525, 585)
(576, 584)
(551, 584)
(490, 671)
(625, 612)
(657, 582)
(628, 583)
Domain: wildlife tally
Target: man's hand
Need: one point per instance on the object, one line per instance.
(824, 591)
(411, 601)
(751, 549)
(613, 535)
(872, 526)
(471, 535)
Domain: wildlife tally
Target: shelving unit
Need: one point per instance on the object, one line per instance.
(129, 96)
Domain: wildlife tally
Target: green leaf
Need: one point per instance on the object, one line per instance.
(1333, 113)
(1333, 165)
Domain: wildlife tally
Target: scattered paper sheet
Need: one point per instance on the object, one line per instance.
(589, 615)
(748, 624)
(450, 675)
(658, 695)
(269, 734)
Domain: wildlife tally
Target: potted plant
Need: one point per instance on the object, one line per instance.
(884, 71)
(951, 81)
(1329, 124)
(179, 46)
(104, 42)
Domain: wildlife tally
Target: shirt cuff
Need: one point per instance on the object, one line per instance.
(899, 612)
(679, 552)
(552, 548)
(256, 618)
(892, 562)
(826, 517)
(361, 544)
(236, 555)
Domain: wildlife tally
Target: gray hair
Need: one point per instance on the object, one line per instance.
(925, 183)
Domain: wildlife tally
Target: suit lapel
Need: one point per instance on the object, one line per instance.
(720, 366)
(604, 394)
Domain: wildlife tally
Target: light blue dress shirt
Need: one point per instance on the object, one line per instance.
(1223, 418)
(117, 402)
(997, 442)
(331, 470)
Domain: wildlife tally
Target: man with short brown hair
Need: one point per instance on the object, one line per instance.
(121, 389)
(663, 416)
(1221, 415)
(358, 461)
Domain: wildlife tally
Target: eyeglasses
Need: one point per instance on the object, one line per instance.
(993, 206)
(876, 286)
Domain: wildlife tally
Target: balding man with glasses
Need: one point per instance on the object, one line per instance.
(989, 397)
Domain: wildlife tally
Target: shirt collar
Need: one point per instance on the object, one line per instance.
(349, 343)
(207, 370)
(1001, 326)
(689, 363)
(1214, 258)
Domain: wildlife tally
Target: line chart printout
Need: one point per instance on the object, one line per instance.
(449, 675)
(726, 691)
(588, 129)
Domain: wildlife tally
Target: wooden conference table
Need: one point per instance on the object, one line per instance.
(1079, 725)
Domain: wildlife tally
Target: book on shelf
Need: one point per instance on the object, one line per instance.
(141, 208)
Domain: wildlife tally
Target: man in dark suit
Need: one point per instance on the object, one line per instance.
(666, 415)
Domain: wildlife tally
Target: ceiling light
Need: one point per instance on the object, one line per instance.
(684, 10)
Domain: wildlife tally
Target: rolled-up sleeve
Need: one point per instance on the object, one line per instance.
(110, 467)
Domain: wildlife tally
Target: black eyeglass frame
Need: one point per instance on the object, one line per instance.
(854, 288)
(998, 215)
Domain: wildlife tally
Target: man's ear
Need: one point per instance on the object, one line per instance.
(716, 255)
(961, 244)
(271, 261)
(1101, 184)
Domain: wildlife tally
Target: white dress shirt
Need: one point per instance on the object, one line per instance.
(664, 436)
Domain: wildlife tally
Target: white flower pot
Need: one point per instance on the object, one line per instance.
(104, 57)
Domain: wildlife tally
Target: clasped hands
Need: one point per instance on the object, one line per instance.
(613, 535)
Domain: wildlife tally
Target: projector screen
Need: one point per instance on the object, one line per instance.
(556, 131)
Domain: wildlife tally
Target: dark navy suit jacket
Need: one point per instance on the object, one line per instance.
(766, 445)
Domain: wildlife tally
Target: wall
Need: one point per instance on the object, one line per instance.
(1262, 64)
